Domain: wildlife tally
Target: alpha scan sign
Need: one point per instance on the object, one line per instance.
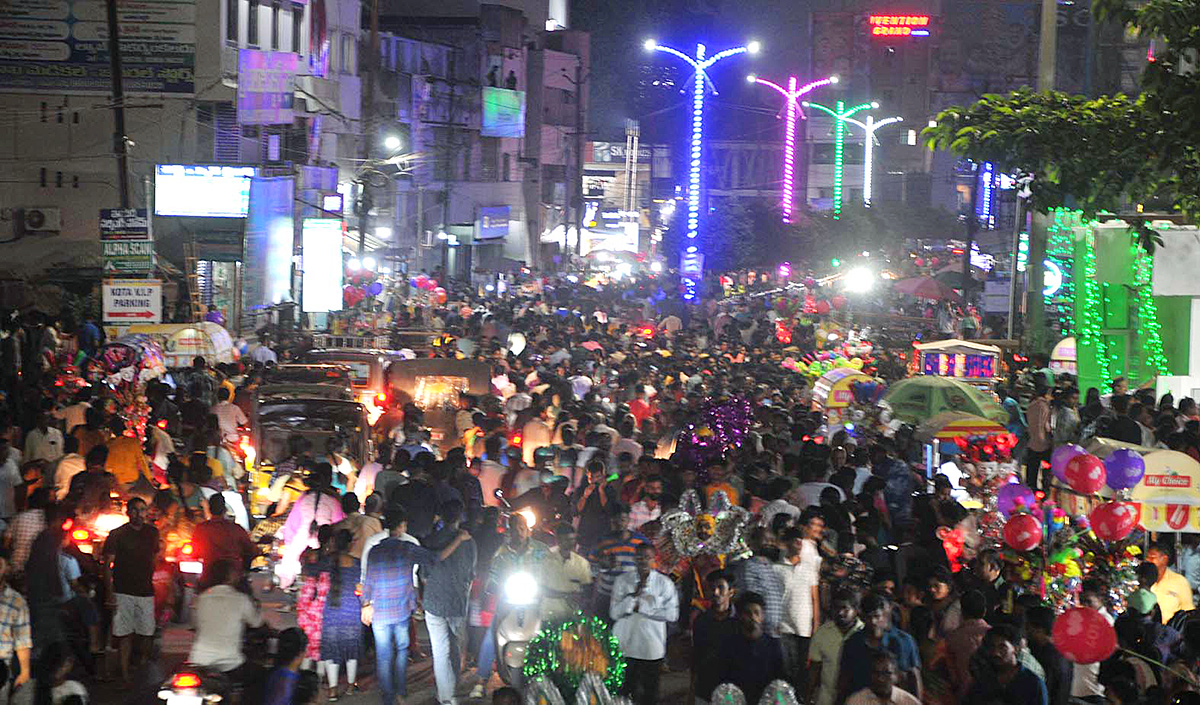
(132, 301)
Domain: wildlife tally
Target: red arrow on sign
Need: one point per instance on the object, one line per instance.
(131, 314)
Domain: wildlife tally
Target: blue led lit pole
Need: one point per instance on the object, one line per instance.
(840, 116)
(700, 63)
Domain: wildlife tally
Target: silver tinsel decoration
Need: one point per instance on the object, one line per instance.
(728, 526)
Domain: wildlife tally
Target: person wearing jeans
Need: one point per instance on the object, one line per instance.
(389, 598)
(447, 587)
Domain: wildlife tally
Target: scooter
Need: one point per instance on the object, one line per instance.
(518, 620)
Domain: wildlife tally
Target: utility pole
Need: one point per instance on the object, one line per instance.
(577, 181)
(1035, 306)
(366, 198)
(120, 143)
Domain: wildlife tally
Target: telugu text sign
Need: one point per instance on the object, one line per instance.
(61, 46)
(266, 86)
(124, 224)
(132, 300)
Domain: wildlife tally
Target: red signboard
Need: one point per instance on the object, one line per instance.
(899, 25)
(1168, 481)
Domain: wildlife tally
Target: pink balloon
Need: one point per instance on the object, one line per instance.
(1083, 635)
(1023, 532)
(1086, 474)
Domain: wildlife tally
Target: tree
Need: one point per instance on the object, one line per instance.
(1094, 154)
(737, 236)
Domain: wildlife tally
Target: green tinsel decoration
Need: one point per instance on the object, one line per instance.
(544, 657)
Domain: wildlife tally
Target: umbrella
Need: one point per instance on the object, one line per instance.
(918, 399)
(591, 345)
(949, 425)
(926, 288)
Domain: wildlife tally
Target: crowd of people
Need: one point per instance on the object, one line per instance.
(563, 472)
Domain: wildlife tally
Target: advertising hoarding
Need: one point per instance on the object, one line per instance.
(270, 231)
(266, 87)
(61, 46)
(503, 113)
(321, 239)
(124, 224)
(202, 191)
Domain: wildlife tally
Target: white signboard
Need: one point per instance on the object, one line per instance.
(132, 301)
(322, 262)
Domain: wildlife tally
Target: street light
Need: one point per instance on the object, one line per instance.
(691, 268)
(792, 97)
(391, 142)
(841, 117)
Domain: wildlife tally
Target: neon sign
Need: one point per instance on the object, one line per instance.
(899, 25)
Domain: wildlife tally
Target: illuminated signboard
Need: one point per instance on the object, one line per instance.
(899, 25)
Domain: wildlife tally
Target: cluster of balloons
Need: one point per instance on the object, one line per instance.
(1087, 474)
(824, 363)
(353, 295)
(427, 283)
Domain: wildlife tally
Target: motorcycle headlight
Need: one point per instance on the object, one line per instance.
(514, 654)
(520, 589)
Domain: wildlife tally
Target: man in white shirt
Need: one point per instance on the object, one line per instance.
(68, 466)
(10, 477)
(643, 601)
(883, 690)
(43, 442)
(229, 416)
(73, 415)
(800, 570)
(263, 354)
(222, 615)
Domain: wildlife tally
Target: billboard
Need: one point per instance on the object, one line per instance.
(321, 240)
(503, 113)
(493, 222)
(266, 87)
(124, 224)
(270, 231)
(202, 191)
(62, 46)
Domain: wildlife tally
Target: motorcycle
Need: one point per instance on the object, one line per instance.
(518, 619)
(196, 685)
(193, 686)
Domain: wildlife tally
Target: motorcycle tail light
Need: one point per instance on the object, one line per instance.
(81, 535)
(162, 423)
(381, 398)
(187, 549)
(185, 680)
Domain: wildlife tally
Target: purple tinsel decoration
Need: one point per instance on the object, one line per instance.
(728, 419)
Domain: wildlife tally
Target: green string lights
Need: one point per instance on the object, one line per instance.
(565, 650)
(1149, 329)
(1090, 312)
(1060, 249)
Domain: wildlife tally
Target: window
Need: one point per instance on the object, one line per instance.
(252, 24)
(347, 60)
(275, 25)
(297, 24)
(231, 20)
(506, 161)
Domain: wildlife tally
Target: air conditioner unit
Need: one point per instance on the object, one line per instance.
(41, 220)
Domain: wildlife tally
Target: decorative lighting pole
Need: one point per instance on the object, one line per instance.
(692, 264)
(840, 116)
(792, 97)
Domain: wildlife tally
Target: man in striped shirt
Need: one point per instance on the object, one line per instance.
(613, 555)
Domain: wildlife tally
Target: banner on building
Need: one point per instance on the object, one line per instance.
(270, 231)
(266, 87)
(321, 239)
(62, 46)
(493, 222)
(130, 301)
(503, 113)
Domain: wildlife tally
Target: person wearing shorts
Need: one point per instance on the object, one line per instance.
(132, 551)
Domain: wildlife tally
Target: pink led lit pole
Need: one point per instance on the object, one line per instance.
(792, 97)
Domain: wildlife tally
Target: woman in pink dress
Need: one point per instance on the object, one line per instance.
(314, 587)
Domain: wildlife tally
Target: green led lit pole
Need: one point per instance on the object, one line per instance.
(840, 116)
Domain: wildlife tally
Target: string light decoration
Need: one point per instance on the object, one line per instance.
(565, 651)
(1060, 249)
(1090, 312)
(701, 83)
(791, 96)
(841, 116)
(1149, 329)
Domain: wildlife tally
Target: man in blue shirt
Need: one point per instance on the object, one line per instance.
(389, 598)
(878, 634)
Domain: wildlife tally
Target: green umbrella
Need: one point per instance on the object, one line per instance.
(919, 399)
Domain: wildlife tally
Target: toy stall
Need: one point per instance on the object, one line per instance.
(975, 364)
(833, 393)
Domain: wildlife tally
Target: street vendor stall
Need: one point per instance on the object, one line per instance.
(975, 364)
(948, 439)
(1063, 357)
(919, 399)
(124, 366)
(833, 392)
(183, 342)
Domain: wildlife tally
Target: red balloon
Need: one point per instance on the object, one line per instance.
(822, 307)
(839, 301)
(1083, 635)
(1023, 532)
(431, 284)
(1113, 521)
(1086, 474)
(935, 261)
(919, 262)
